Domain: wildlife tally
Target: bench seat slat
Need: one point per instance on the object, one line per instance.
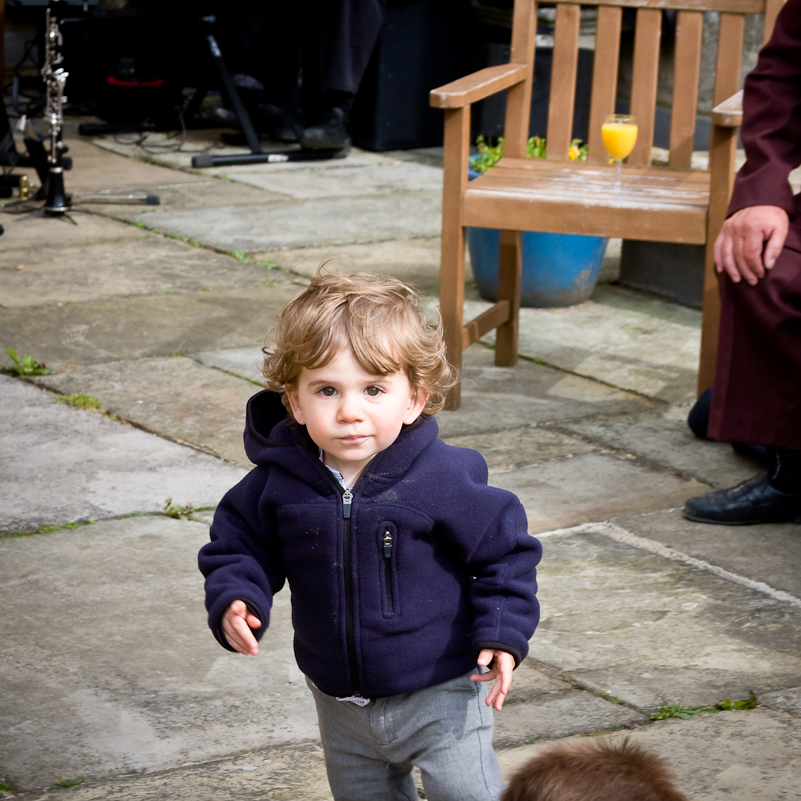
(680, 223)
(656, 204)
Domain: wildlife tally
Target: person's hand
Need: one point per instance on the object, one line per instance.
(500, 664)
(750, 242)
(237, 623)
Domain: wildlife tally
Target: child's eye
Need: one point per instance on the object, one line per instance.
(373, 392)
(328, 392)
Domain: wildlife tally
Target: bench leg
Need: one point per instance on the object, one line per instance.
(456, 146)
(710, 324)
(722, 151)
(451, 302)
(509, 276)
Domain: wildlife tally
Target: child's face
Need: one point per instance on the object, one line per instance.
(351, 414)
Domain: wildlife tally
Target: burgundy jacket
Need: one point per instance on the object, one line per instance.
(771, 129)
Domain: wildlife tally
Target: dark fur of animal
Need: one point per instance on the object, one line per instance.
(594, 770)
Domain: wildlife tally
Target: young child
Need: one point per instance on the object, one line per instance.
(594, 770)
(408, 574)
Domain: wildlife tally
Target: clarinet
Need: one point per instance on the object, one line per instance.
(55, 77)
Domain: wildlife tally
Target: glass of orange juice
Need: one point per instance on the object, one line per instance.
(619, 133)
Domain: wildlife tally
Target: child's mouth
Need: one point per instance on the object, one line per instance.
(353, 439)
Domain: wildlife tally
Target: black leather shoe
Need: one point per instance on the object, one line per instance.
(753, 501)
(329, 134)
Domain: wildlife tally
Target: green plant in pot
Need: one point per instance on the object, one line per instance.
(489, 155)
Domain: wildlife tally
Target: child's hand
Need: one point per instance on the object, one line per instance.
(501, 665)
(237, 623)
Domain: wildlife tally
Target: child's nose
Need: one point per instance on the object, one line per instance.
(350, 408)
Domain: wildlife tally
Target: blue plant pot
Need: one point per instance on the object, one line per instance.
(558, 269)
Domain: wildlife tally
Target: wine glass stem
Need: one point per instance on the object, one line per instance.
(618, 162)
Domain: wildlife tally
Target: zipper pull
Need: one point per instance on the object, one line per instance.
(347, 500)
(387, 542)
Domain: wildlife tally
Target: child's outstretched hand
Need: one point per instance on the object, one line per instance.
(501, 665)
(237, 623)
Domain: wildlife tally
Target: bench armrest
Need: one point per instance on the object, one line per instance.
(477, 86)
(729, 113)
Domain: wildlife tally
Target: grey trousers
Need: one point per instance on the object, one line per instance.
(445, 731)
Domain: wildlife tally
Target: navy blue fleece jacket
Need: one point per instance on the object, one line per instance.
(394, 587)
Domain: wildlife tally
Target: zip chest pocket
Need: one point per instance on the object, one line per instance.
(388, 543)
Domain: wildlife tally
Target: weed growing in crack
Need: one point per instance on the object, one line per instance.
(685, 712)
(25, 366)
(178, 512)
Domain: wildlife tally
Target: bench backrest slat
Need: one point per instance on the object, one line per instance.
(686, 74)
(645, 70)
(604, 77)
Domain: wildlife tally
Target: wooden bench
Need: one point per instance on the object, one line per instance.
(672, 203)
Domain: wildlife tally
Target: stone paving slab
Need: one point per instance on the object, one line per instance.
(649, 627)
(619, 337)
(140, 326)
(769, 553)
(138, 263)
(504, 398)
(60, 464)
(590, 487)
(243, 362)
(307, 223)
(93, 171)
(348, 180)
(663, 437)
(784, 701)
(174, 397)
(208, 193)
(115, 670)
(569, 714)
(24, 235)
(415, 261)
(522, 447)
(287, 773)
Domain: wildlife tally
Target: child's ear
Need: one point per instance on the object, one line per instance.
(416, 405)
(297, 412)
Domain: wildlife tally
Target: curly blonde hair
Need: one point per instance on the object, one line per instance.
(378, 317)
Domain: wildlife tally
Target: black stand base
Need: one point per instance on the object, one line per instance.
(273, 157)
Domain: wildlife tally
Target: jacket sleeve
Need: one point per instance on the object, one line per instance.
(243, 559)
(771, 129)
(491, 533)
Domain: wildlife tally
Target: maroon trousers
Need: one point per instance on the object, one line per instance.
(757, 394)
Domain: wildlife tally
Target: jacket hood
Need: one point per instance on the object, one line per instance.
(268, 425)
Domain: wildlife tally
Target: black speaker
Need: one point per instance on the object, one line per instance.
(421, 46)
(125, 62)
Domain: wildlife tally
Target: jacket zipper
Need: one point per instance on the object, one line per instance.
(350, 639)
(347, 501)
(386, 541)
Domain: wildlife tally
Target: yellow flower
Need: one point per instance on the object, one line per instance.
(574, 152)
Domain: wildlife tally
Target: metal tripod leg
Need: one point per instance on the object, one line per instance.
(256, 155)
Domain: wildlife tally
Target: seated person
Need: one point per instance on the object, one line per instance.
(756, 395)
